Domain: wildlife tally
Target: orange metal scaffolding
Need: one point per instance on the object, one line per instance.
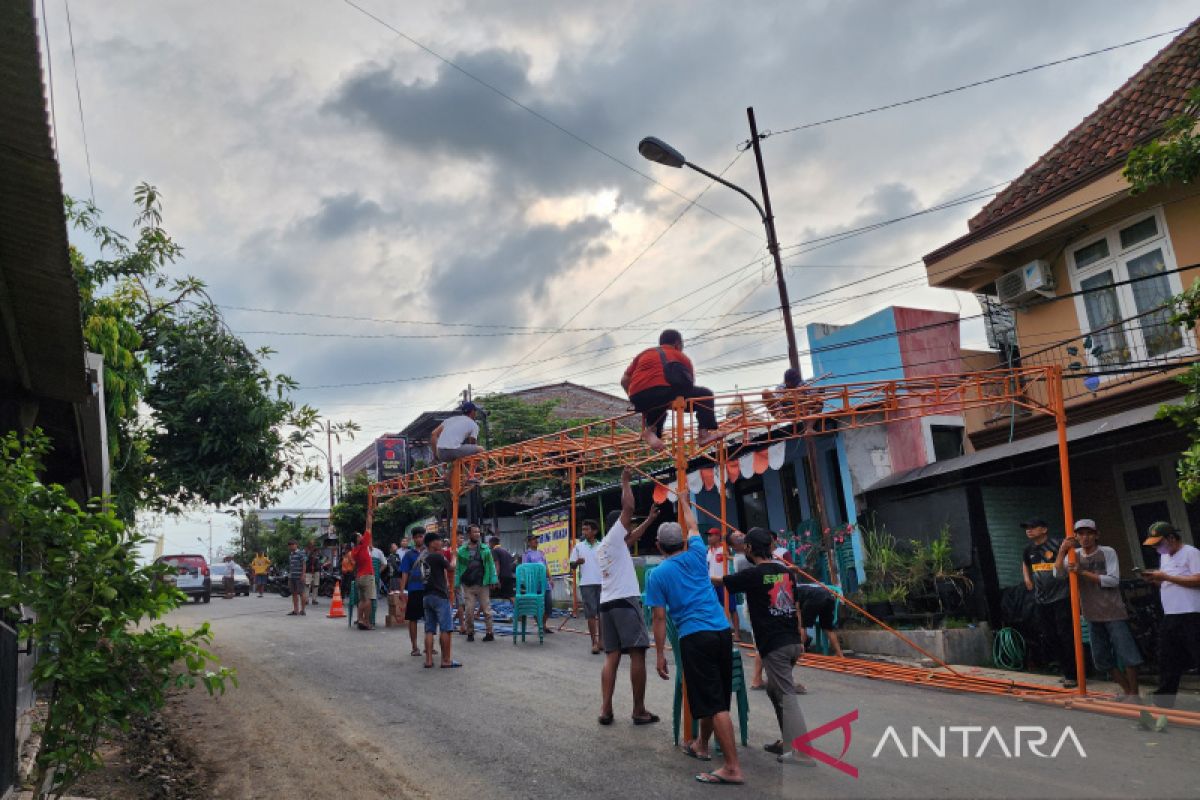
(788, 414)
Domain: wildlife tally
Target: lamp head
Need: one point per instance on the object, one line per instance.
(654, 149)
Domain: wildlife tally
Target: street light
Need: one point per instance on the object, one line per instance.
(654, 149)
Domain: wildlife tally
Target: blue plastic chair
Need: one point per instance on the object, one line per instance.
(530, 600)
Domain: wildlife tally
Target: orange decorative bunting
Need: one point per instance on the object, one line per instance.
(733, 470)
(761, 462)
(660, 493)
(706, 478)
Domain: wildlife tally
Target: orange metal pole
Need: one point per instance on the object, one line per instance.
(1064, 469)
(455, 490)
(571, 546)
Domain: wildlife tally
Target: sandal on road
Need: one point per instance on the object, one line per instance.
(605, 719)
(451, 665)
(712, 777)
(647, 720)
(690, 752)
(415, 653)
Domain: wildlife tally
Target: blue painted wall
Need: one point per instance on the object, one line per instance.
(875, 360)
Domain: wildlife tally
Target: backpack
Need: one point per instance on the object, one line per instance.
(676, 373)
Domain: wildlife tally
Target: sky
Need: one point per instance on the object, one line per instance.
(320, 161)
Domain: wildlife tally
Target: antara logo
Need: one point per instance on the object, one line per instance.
(1024, 737)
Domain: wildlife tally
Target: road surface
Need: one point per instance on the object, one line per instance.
(323, 709)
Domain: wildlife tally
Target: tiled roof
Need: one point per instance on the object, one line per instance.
(1134, 114)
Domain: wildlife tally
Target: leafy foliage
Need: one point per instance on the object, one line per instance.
(1186, 414)
(1173, 157)
(194, 416)
(350, 514)
(76, 570)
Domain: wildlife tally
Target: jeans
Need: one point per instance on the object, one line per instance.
(1059, 633)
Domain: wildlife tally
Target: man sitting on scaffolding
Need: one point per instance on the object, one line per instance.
(455, 438)
(655, 378)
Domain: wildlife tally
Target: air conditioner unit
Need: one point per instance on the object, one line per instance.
(1030, 282)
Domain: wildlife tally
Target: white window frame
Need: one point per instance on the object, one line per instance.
(1116, 261)
(1168, 491)
(941, 421)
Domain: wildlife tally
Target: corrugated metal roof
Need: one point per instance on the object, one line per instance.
(41, 340)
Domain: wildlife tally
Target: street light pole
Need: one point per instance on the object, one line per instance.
(660, 152)
(768, 219)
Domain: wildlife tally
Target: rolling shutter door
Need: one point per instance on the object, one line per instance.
(1005, 507)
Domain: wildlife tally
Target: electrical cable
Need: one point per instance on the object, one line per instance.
(79, 97)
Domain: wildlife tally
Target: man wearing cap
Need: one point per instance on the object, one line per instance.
(681, 586)
(455, 438)
(1178, 578)
(1052, 595)
(1113, 649)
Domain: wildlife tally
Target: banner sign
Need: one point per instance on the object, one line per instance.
(391, 458)
(553, 539)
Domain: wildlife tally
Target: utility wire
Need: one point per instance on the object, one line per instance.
(972, 85)
(79, 97)
(493, 88)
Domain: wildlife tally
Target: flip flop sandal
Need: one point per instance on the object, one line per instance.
(762, 688)
(427, 666)
(605, 720)
(650, 720)
(712, 777)
(451, 665)
(415, 653)
(293, 614)
(688, 751)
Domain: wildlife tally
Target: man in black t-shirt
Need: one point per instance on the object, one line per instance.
(438, 617)
(1052, 595)
(771, 603)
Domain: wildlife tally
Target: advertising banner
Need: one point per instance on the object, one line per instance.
(553, 538)
(391, 458)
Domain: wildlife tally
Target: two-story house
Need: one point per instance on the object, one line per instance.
(1076, 271)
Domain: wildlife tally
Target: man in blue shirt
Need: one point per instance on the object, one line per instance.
(412, 588)
(680, 586)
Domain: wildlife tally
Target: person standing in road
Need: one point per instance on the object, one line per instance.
(622, 624)
(476, 575)
(455, 438)
(682, 587)
(297, 561)
(364, 579)
(587, 571)
(1178, 578)
(771, 601)
(716, 569)
(259, 567)
(412, 588)
(653, 380)
(506, 570)
(1113, 649)
(439, 620)
(1052, 596)
(313, 573)
(534, 556)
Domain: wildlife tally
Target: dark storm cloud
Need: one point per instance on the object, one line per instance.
(519, 268)
(344, 214)
(455, 116)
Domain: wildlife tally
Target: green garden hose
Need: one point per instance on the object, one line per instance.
(1008, 649)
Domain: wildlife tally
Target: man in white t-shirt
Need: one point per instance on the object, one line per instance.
(455, 438)
(622, 625)
(585, 561)
(1178, 575)
(716, 569)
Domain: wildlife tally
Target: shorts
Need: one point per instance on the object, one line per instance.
(820, 612)
(733, 598)
(622, 626)
(296, 584)
(707, 658)
(438, 618)
(589, 593)
(260, 581)
(415, 610)
(1113, 646)
(366, 587)
(314, 580)
(507, 590)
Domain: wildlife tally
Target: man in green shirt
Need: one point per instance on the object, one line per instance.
(476, 575)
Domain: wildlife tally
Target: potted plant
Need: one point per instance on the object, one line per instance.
(949, 583)
(877, 600)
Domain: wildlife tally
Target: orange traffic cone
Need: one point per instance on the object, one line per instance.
(336, 611)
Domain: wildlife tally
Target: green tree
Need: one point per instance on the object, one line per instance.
(391, 518)
(1174, 158)
(105, 659)
(194, 415)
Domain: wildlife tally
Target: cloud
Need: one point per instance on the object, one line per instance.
(344, 214)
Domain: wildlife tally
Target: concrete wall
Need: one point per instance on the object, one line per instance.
(966, 646)
(878, 359)
(868, 455)
(922, 516)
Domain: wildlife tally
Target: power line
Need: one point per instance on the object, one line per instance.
(493, 88)
(971, 85)
(79, 97)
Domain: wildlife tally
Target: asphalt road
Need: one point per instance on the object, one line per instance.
(520, 722)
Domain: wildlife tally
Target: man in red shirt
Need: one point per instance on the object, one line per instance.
(364, 579)
(651, 391)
